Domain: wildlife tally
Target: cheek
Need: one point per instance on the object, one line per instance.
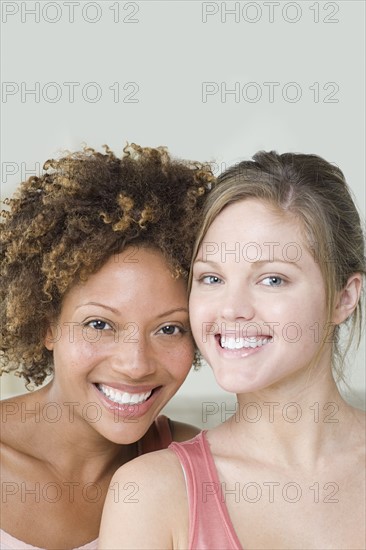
(179, 360)
(303, 325)
(77, 351)
(202, 314)
(292, 311)
(203, 328)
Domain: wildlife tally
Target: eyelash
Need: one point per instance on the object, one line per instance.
(107, 326)
(202, 279)
(181, 330)
(274, 277)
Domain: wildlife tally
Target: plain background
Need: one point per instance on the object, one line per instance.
(213, 81)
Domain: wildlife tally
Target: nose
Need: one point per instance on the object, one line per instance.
(237, 304)
(135, 360)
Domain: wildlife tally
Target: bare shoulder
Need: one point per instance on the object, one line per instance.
(182, 431)
(10, 408)
(159, 503)
(13, 415)
(151, 469)
(22, 438)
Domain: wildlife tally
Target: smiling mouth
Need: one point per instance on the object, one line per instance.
(231, 343)
(122, 397)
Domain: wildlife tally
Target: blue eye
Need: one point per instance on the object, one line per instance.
(98, 324)
(211, 280)
(273, 281)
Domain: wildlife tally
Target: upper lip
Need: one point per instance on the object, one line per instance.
(243, 336)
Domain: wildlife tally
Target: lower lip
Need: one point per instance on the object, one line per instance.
(134, 411)
(238, 353)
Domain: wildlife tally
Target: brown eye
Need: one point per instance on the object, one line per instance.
(98, 324)
(171, 330)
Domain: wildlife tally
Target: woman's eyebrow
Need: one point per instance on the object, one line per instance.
(277, 261)
(174, 310)
(99, 305)
(255, 263)
(207, 262)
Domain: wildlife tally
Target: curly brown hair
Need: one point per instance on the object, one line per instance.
(62, 226)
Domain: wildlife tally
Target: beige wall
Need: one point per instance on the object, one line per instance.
(174, 53)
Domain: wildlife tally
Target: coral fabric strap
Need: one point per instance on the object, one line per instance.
(209, 522)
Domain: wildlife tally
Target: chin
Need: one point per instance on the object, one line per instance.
(129, 433)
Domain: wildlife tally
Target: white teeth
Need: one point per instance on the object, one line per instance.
(124, 398)
(228, 342)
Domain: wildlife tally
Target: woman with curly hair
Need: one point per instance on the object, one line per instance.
(95, 256)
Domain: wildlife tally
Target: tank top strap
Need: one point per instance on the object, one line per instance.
(209, 522)
(159, 436)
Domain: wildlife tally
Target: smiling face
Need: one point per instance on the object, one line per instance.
(257, 304)
(122, 344)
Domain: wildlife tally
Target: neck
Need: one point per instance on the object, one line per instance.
(298, 420)
(69, 444)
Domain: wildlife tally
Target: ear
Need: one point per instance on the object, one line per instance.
(51, 336)
(347, 299)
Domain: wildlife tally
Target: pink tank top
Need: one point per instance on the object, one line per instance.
(159, 436)
(209, 522)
